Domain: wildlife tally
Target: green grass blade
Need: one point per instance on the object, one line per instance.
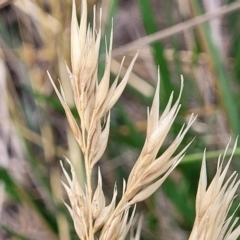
(157, 49)
(13, 233)
(226, 94)
(21, 195)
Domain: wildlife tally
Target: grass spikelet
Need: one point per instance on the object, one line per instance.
(213, 204)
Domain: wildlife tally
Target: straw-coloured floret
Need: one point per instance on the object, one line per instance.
(77, 197)
(213, 204)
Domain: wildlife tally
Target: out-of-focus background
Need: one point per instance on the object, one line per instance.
(196, 39)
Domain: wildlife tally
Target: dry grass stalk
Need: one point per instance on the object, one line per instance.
(93, 100)
(213, 204)
(180, 27)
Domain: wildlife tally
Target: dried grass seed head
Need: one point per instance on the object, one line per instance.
(78, 200)
(148, 169)
(93, 98)
(213, 204)
(85, 54)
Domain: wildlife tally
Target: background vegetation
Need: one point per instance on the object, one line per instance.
(176, 35)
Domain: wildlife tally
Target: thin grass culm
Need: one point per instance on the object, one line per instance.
(94, 98)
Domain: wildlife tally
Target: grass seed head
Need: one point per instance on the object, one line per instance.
(213, 204)
(148, 169)
(93, 100)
